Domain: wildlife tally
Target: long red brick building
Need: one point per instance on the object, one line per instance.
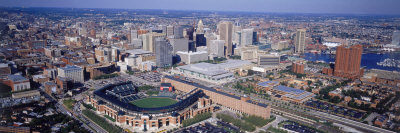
(242, 105)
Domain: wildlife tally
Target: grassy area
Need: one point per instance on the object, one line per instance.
(237, 122)
(69, 103)
(101, 122)
(145, 87)
(154, 102)
(89, 106)
(150, 93)
(196, 119)
(108, 117)
(258, 121)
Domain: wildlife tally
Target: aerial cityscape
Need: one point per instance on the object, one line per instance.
(173, 66)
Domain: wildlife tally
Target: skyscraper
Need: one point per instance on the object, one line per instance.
(200, 27)
(348, 61)
(170, 30)
(216, 48)
(396, 38)
(178, 31)
(247, 37)
(300, 41)
(225, 33)
(200, 40)
(163, 52)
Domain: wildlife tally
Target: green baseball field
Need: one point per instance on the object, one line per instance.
(154, 102)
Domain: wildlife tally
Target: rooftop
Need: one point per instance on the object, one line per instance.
(215, 69)
(386, 74)
(268, 83)
(16, 78)
(69, 67)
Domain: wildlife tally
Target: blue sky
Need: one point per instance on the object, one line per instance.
(282, 6)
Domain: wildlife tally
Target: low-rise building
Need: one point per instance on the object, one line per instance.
(18, 82)
(192, 57)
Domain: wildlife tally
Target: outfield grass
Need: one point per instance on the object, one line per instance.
(154, 102)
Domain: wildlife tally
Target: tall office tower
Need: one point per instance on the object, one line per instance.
(225, 33)
(163, 53)
(134, 34)
(73, 72)
(216, 48)
(200, 27)
(181, 44)
(255, 37)
(237, 38)
(300, 41)
(396, 38)
(200, 40)
(163, 28)
(178, 31)
(246, 37)
(348, 61)
(189, 33)
(146, 42)
(170, 30)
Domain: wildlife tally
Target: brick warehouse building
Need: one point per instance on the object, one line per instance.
(242, 105)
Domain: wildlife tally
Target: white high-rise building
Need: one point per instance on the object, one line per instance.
(300, 40)
(246, 37)
(192, 57)
(146, 42)
(178, 31)
(170, 30)
(134, 34)
(73, 72)
(217, 48)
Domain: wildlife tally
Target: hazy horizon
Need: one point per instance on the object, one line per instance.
(373, 7)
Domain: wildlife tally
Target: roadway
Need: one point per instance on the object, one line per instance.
(86, 124)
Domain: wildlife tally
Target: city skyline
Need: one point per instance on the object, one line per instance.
(371, 7)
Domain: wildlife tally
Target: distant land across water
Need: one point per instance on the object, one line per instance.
(368, 60)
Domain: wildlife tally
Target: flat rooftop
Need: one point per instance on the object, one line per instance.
(69, 67)
(16, 78)
(215, 69)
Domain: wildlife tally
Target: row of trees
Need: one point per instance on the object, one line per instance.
(246, 89)
(102, 122)
(196, 119)
(237, 122)
(106, 76)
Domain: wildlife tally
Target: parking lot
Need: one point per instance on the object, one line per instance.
(296, 127)
(150, 76)
(210, 128)
(336, 110)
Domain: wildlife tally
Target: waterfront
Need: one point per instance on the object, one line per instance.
(368, 60)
